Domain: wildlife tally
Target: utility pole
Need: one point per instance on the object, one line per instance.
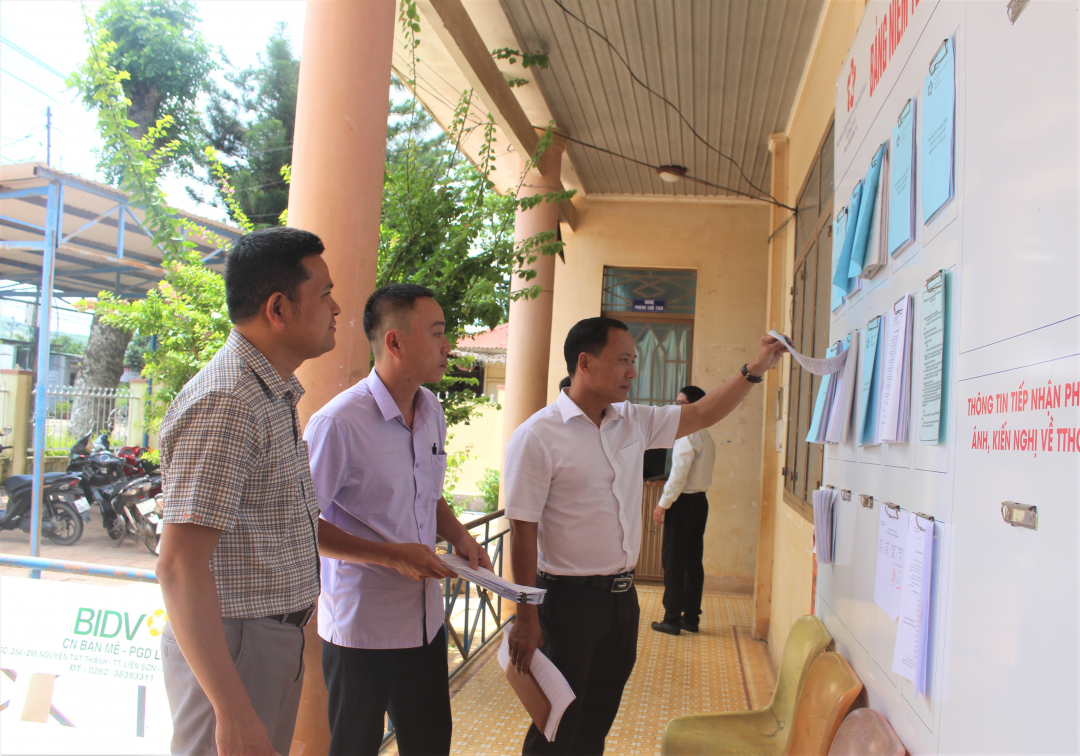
(48, 136)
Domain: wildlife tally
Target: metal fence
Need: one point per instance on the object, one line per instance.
(72, 411)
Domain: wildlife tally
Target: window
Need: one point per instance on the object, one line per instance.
(810, 325)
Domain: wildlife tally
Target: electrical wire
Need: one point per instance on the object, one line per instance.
(24, 102)
(31, 134)
(669, 103)
(37, 60)
(41, 91)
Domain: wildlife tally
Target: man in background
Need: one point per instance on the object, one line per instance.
(378, 459)
(683, 510)
(239, 564)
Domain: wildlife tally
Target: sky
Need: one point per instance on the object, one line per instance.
(42, 41)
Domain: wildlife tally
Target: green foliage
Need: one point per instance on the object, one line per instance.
(454, 462)
(66, 343)
(135, 357)
(528, 60)
(251, 123)
(167, 62)
(489, 490)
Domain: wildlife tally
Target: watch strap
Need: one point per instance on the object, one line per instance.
(752, 378)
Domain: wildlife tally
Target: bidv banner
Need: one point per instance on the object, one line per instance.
(87, 658)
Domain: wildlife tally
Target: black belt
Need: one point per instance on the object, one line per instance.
(614, 583)
(298, 618)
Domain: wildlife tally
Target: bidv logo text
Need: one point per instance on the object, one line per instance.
(106, 623)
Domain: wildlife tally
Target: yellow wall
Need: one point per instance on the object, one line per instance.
(725, 242)
(811, 115)
(484, 435)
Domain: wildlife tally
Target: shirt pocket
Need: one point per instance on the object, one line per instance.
(438, 474)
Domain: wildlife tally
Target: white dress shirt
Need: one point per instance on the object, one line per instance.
(692, 461)
(583, 484)
(377, 479)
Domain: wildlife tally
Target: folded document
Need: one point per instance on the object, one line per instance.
(543, 689)
(519, 594)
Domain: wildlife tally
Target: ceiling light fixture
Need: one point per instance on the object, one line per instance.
(671, 173)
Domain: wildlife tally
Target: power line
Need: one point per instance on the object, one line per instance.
(37, 60)
(670, 104)
(16, 78)
(24, 102)
(31, 134)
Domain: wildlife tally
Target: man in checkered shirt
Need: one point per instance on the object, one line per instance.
(239, 566)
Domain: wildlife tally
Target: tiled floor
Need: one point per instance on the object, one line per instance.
(721, 668)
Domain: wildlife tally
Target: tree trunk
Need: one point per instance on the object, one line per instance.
(102, 367)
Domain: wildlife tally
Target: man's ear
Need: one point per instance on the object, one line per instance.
(275, 309)
(583, 362)
(392, 342)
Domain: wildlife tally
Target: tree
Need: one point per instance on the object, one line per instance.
(165, 63)
(251, 124)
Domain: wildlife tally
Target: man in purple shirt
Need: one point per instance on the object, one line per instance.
(378, 459)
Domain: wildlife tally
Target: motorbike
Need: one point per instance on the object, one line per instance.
(101, 476)
(63, 509)
(139, 512)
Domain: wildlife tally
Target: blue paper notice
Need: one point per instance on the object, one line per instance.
(840, 276)
(936, 142)
(866, 214)
(816, 434)
(871, 377)
(840, 227)
(901, 187)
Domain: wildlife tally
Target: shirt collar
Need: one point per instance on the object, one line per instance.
(389, 407)
(568, 409)
(270, 377)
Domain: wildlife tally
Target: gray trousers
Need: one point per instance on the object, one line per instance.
(269, 657)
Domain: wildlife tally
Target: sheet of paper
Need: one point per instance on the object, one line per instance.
(840, 228)
(548, 679)
(871, 378)
(815, 365)
(909, 655)
(519, 594)
(901, 186)
(936, 143)
(838, 430)
(820, 419)
(840, 276)
(933, 347)
(895, 387)
(889, 569)
(866, 214)
(824, 501)
(877, 253)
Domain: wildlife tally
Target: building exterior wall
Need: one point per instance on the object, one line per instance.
(482, 437)
(793, 561)
(725, 242)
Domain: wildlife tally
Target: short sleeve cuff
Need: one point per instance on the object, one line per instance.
(666, 426)
(186, 513)
(523, 514)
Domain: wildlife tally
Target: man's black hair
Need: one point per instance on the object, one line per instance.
(263, 263)
(692, 393)
(590, 336)
(388, 301)
(564, 383)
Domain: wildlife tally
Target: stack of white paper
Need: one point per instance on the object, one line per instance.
(877, 249)
(543, 689)
(838, 430)
(825, 502)
(895, 407)
(889, 569)
(519, 594)
(910, 652)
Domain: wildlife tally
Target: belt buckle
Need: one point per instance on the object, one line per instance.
(303, 620)
(622, 584)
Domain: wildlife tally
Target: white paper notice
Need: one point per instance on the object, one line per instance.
(815, 365)
(895, 385)
(838, 428)
(550, 680)
(933, 346)
(892, 533)
(909, 656)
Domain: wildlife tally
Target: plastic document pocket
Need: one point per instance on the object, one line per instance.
(81, 504)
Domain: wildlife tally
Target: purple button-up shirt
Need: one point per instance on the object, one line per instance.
(378, 480)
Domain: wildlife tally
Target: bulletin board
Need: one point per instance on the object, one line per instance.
(1002, 638)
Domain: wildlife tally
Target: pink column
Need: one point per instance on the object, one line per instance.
(338, 156)
(529, 341)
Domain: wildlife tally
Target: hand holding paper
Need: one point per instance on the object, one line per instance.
(543, 690)
(813, 364)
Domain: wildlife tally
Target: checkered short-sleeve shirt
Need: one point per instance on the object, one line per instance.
(233, 459)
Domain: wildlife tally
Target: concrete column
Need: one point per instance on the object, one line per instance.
(772, 453)
(339, 153)
(338, 156)
(15, 392)
(529, 341)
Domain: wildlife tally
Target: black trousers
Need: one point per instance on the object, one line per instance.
(409, 684)
(684, 543)
(590, 634)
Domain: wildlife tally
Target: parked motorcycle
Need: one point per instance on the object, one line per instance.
(139, 512)
(101, 476)
(63, 509)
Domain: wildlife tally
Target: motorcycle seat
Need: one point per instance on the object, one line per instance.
(18, 483)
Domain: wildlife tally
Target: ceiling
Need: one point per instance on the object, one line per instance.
(732, 67)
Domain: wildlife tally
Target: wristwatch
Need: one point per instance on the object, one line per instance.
(752, 378)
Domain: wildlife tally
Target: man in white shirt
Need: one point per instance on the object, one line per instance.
(377, 463)
(573, 477)
(683, 510)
